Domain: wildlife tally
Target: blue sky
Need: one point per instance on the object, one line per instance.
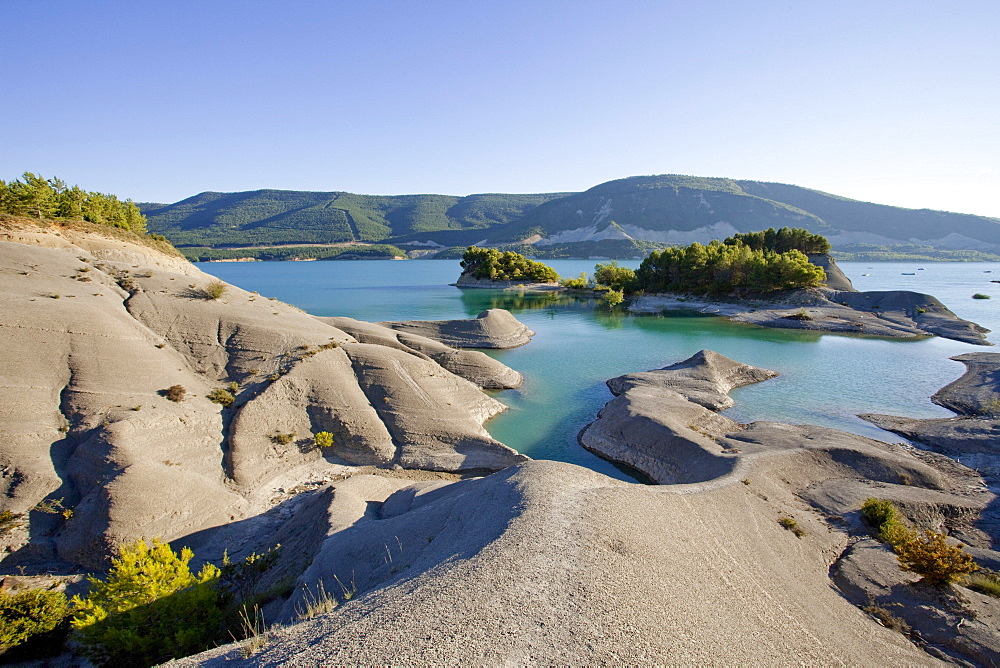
(892, 102)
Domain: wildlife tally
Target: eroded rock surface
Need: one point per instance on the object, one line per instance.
(547, 562)
(472, 365)
(493, 328)
(896, 314)
(96, 330)
(663, 423)
(976, 430)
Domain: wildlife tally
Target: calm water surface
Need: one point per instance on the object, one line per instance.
(825, 379)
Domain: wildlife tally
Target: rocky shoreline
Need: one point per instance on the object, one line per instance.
(834, 308)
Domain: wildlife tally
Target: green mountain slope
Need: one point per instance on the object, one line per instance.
(660, 204)
(888, 221)
(296, 217)
(664, 209)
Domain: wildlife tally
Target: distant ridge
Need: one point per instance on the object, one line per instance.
(663, 209)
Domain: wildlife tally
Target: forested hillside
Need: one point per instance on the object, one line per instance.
(628, 215)
(297, 217)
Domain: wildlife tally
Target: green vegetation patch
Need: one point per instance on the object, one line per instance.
(52, 199)
(728, 267)
(491, 264)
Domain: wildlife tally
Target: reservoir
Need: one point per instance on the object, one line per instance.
(826, 379)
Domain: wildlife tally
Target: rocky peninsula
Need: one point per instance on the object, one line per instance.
(835, 307)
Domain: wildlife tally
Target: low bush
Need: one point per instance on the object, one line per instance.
(283, 439)
(792, 525)
(29, 613)
(985, 582)
(214, 290)
(614, 297)
(174, 393)
(883, 516)
(323, 439)
(10, 521)
(980, 295)
(934, 559)
(220, 396)
(579, 283)
(151, 608)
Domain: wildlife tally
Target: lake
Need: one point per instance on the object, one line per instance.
(825, 379)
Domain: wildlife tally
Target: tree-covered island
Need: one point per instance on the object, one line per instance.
(493, 265)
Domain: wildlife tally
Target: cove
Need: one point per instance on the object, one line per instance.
(825, 379)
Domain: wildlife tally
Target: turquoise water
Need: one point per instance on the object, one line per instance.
(825, 379)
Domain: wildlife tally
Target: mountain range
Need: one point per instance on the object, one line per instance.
(665, 209)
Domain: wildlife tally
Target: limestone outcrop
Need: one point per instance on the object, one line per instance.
(97, 330)
(663, 424)
(547, 562)
(975, 430)
(493, 328)
(472, 365)
(896, 314)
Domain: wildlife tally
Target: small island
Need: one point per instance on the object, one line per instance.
(782, 278)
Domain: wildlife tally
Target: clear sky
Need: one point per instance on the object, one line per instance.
(885, 101)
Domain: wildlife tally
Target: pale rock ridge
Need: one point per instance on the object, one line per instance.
(974, 434)
(977, 392)
(547, 562)
(91, 346)
(493, 328)
(472, 365)
(662, 422)
(896, 313)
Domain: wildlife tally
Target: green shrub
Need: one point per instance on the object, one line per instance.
(933, 558)
(283, 439)
(491, 264)
(614, 276)
(579, 283)
(723, 268)
(985, 582)
(614, 297)
(29, 613)
(801, 314)
(10, 521)
(323, 439)
(214, 290)
(151, 608)
(220, 396)
(883, 516)
(980, 295)
(174, 393)
(790, 524)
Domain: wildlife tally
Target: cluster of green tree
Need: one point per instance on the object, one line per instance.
(52, 199)
(365, 251)
(494, 265)
(149, 609)
(782, 241)
(725, 268)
